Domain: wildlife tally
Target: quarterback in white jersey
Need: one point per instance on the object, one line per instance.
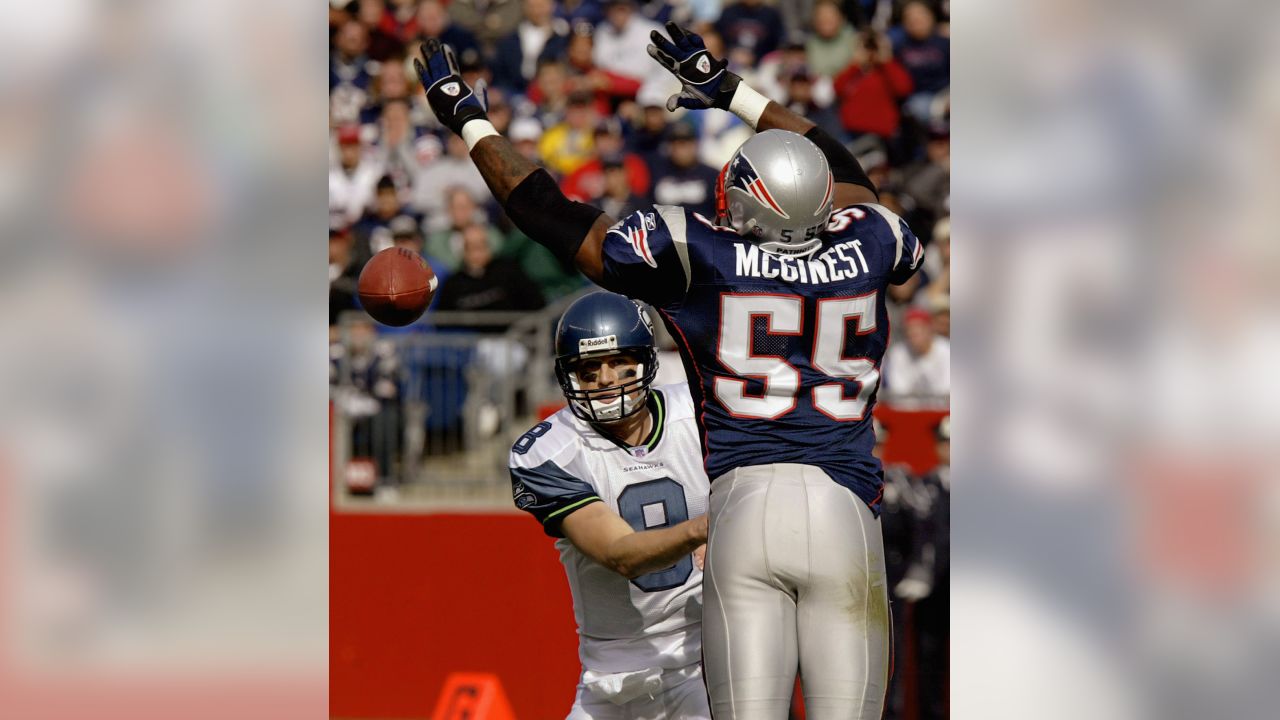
(618, 478)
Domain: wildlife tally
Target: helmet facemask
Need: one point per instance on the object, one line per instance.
(616, 402)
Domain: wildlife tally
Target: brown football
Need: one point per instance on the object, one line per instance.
(396, 286)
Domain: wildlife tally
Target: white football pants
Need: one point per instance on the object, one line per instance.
(682, 695)
(794, 577)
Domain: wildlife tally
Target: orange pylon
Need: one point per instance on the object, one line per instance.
(472, 696)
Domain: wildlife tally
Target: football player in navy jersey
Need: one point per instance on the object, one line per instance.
(778, 306)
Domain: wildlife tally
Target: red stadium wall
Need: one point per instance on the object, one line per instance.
(415, 597)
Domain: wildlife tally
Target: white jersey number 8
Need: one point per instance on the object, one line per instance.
(784, 316)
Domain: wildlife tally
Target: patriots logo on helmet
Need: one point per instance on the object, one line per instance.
(637, 237)
(744, 177)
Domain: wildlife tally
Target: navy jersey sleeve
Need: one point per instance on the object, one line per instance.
(645, 256)
(907, 251)
(549, 493)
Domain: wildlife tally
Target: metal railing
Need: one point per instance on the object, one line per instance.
(466, 385)
(426, 416)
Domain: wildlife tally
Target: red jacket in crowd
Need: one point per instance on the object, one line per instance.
(869, 97)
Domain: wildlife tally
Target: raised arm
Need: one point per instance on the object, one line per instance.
(707, 83)
(573, 231)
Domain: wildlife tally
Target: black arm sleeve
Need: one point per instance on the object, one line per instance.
(549, 218)
(844, 166)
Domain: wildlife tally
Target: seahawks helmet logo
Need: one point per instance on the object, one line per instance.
(451, 89)
(644, 317)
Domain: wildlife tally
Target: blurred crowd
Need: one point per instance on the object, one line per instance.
(571, 84)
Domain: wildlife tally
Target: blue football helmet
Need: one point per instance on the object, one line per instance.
(595, 326)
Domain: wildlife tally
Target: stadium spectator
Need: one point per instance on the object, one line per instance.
(926, 54)
(343, 274)
(445, 241)
(649, 127)
(588, 180)
(933, 611)
(928, 182)
(398, 143)
(373, 232)
(902, 523)
(433, 21)
(799, 99)
(567, 145)
(453, 168)
(752, 26)
(525, 133)
(550, 91)
(554, 82)
(681, 179)
(551, 276)
(921, 366)
(940, 309)
(871, 88)
(382, 44)
(776, 68)
(590, 12)
(704, 13)
(488, 20)
(391, 83)
(406, 233)
(830, 49)
(484, 282)
(369, 379)
(348, 61)
(620, 41)
(617, 196)
(399, 20)
(516, 56)
(938, 268)
(585, 75)
(350, 73)
(352, 182)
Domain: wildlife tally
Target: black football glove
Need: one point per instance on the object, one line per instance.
(707, 84)
(449, 97)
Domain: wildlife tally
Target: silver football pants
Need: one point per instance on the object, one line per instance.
(794, 579)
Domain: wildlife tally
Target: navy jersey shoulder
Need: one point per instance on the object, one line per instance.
(783, 352)
(645, 255)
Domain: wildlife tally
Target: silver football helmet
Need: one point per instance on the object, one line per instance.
(777, 190)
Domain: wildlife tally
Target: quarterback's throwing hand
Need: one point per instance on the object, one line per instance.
(707, 84)
(450, 98)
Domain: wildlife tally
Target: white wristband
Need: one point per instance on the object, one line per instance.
(476, 130)
(748, 104)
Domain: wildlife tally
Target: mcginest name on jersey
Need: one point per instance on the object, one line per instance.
(843, 261)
